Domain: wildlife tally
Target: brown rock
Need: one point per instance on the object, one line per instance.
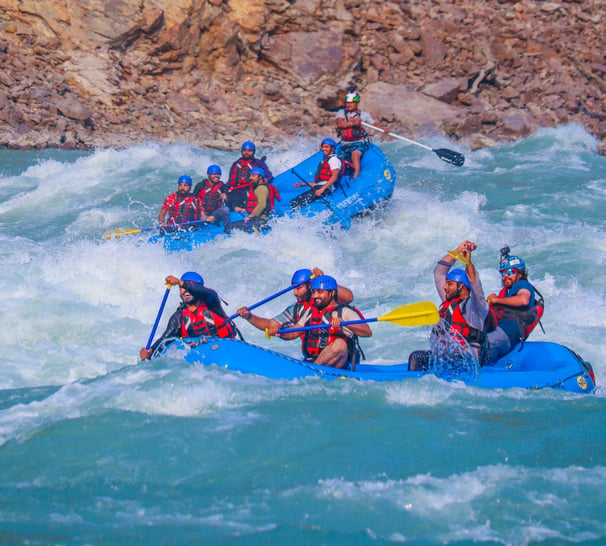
(180, 104)
(412, 109)
(158, 69)
(71, 107)
(446, 90)
(433, 49)
(515, 123)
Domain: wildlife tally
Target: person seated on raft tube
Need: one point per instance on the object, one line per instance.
(238, 182)
(336, 346)
(182, 207)
(212, 194)
(199, 314)
(298, 311)
(463, 307)
(259, 203)
(354, 138)
(518, 307)
(328, 173)
(468, 314)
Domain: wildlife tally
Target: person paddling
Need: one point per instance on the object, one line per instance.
(327, 176)
(181, 207)
(354, 138)
(239, 174)
(199, 314)
(463, 310)
(334, 346)
(260, 201)
(213, 195)
(518, 306)
(301, 281)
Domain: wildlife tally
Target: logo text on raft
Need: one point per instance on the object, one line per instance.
(349, 201)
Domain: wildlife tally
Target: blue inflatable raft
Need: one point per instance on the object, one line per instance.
(532, 365)
(352, 197)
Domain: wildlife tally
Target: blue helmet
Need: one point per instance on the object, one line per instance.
(249, 145)
(512, 262)
(193, 276)
(301, 276)
(184, 179)
(324, 282)
(458, 275)
(328, 141)
(258, 170)
(213, 169)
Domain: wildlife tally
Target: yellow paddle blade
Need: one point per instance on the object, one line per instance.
(414, 314)
(458, 256)
(119, 232)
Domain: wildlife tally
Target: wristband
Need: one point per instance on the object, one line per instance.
(444, 262)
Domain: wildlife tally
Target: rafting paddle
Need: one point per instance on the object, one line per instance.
(272, 297)
(450, 156)
(121, 232)
(457, 256)
(159, 315)
(345, 222)
(423, 313)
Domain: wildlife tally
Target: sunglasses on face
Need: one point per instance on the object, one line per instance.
(509, 271)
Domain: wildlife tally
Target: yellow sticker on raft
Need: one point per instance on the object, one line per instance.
(387, 174)
(582, 382)
(458, 256)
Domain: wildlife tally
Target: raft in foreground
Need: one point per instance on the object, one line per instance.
(533, 365)
(374, 185)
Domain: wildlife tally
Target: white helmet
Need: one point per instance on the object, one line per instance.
(352, 97)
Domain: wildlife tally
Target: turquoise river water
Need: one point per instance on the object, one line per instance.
(97, 448)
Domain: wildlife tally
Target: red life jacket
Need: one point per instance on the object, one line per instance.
(314, 341)
(527, 318)
(239, 173)
(252, 200)
(323, 172)
(184, 209)
(357, 132)
(301, 309)
(451, 313)
(211, 196)
(203, 322)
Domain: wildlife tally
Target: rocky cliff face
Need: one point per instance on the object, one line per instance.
(90, 73)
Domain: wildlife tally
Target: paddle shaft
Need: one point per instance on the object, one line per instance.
(345, 222)
(267, 299)
(326, 325)
(399, 137)
(159, 315)
(449, 156)
(129, 231)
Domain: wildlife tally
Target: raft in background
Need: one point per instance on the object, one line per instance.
(531, 365)
(352, 197)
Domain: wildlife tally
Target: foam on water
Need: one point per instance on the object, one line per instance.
(120, 450)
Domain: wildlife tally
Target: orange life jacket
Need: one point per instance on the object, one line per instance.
(323, 172)
(239, 173)
(357, 132)
(451, 312)
(184, 209)
(252, 200)
(204, 322)
(314, 341)
(526, 317)
(211, 196)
